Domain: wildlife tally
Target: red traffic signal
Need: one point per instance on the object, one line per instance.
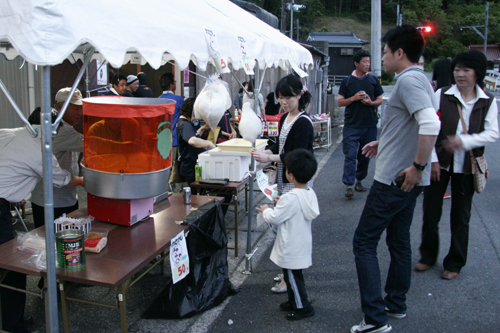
(425, 29)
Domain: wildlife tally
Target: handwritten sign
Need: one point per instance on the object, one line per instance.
(270, 191)
(244, 56)
(213, 50)
(179, 257)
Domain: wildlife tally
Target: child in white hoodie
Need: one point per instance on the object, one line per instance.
(293, 215)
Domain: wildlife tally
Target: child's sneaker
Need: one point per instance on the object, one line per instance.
(368, 328)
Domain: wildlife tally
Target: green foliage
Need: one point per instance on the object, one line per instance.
(445, 16)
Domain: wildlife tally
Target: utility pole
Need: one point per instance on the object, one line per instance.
(298, 27)
(399, 17)
(376, 36)
(486, 28)
(283, 17)
(485, 36)
(291, 20)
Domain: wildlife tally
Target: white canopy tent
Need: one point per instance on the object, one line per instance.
(45, 33)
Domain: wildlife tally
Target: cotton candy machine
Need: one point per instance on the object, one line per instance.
(127, 149)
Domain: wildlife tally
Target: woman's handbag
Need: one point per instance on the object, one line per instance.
(272, 173)
(479, 164)
(480, 171)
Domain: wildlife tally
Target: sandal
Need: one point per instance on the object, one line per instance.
(300, 314)
(279, 277)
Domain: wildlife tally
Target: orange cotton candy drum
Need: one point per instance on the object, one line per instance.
(127, 146)
(127, 135)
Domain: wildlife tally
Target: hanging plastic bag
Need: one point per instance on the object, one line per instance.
(212, 101)
(207, 284)
(250, 124)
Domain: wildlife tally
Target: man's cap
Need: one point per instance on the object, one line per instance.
(143, 79)
(131, 79)
(62, 95)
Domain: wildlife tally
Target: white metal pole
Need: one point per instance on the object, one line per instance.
(291, 20)
(376, 36)
(51, 319)
(251, 179)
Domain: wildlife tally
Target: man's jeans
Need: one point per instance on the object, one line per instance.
(355, 163)
(386, 207)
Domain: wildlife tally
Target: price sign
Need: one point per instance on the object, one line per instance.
(179, 258)
(272, 128)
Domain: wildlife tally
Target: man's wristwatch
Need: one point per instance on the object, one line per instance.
(419, 167)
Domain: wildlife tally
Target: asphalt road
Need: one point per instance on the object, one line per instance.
(469, 303)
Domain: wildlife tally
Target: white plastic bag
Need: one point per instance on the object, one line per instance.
(250, 124)
(212, 101)
(30, 241)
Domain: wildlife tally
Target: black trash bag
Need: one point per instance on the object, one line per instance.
(207, 284)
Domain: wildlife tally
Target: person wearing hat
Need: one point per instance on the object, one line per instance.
(21, 165)
(143, 90)
(132, 85)
(66, 146)
(119, 85)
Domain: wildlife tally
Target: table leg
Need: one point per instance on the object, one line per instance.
(64, 305)
(122, 289)
(246, 198)
(235, 198)
(3, 274)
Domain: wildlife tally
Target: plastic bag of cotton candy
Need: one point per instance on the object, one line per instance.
(212, 102)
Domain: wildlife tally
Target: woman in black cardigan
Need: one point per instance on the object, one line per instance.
(296, 131)
(296, 128)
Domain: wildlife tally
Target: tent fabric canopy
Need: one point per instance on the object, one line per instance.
(46, 32)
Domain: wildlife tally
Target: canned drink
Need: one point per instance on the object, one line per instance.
(198, 172)
(70, 244)
(186, 194)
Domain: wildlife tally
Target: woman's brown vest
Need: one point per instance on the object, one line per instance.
(449, 122)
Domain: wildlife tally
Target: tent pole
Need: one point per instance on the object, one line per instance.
(248, 255)
(87, 57)
(51, 319)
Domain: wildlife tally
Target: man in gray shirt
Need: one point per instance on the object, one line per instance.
(66, 146)
(409, 130)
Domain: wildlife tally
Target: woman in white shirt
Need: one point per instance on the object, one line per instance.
(451, 159)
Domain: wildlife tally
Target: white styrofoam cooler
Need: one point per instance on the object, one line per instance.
(224, 164)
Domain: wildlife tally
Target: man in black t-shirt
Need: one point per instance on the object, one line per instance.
(361, 94)
(272, 105)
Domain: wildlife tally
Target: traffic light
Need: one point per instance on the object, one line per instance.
(425, 29)
(295, 7)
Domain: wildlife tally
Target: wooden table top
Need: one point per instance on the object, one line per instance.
(128, 249)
